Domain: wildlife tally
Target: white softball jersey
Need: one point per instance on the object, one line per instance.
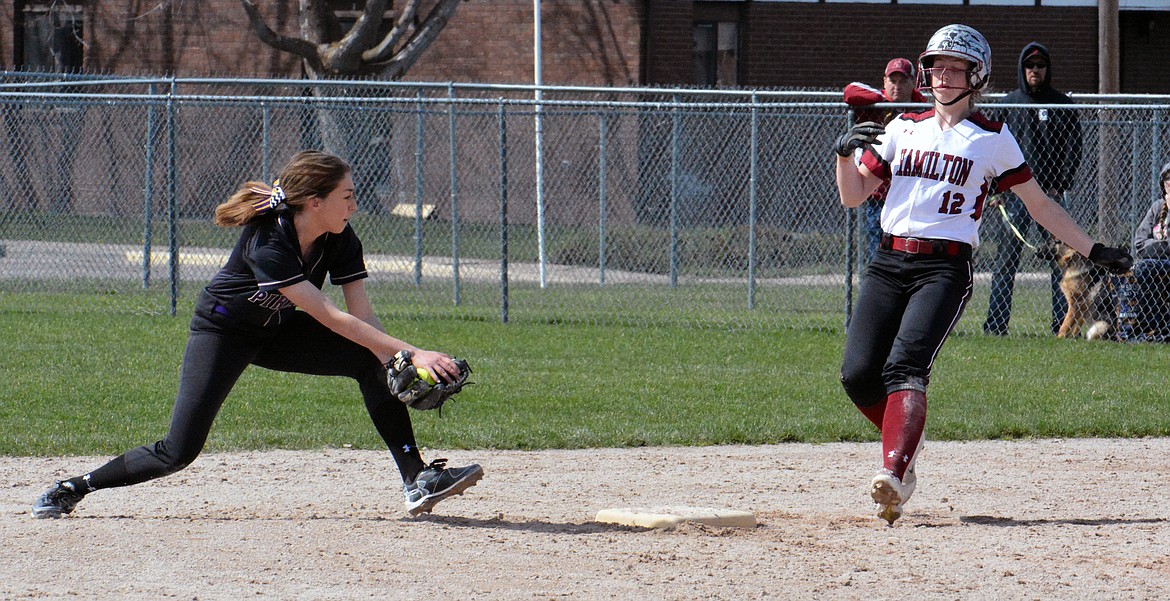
(940, 179)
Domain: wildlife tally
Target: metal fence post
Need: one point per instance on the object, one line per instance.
(675, 134)
(148, 191)
(601, 200)
(418, 192)
(752, 204)
(172, 198)
(539, 146)
(503, 215)
(1156, 125)
(1155, 157)
(454, 195)
(265, 126)
(850, 245)
(1134, 199)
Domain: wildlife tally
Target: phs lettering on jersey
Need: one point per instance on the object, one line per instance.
(270, 300)
(932, 164)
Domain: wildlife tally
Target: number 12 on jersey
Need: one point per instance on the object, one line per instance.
(952, 203)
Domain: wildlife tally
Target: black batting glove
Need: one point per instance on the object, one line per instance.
(1116, 260)
(862, 135)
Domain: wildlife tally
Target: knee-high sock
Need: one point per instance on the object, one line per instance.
(875, 413)
(905, 420)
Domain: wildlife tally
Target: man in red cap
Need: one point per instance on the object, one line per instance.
(898, 86)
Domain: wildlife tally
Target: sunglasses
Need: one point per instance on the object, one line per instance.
(1035, 65)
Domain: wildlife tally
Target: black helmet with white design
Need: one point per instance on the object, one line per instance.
(963, 42)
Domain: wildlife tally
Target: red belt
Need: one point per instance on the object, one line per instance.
(926, 246)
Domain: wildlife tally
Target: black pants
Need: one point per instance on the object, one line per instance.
(215, 358)
(907, 306)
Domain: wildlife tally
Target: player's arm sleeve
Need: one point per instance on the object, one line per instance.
(859, 94)
(877, 158)
(1008, 163)
(351, 264)
(1075, 145)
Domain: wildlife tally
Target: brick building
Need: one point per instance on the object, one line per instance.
(749, 43)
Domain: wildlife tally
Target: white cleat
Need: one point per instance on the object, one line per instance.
(889, 493)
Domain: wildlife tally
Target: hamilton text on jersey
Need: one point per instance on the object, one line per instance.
(932, 164)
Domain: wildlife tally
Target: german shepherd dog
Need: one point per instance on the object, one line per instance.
(1091, 302)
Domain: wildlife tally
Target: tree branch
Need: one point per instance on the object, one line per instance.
(396, 67)
(295, 46)
(404, 25)
(347, 53)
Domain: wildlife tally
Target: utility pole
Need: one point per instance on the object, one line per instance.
(1108, 48)
(1109, 223)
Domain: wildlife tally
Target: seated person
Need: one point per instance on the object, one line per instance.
(1151, 271)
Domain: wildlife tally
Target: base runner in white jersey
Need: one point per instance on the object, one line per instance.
(941, 165)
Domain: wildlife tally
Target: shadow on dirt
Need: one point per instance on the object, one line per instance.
(503, 523)
(989, 520)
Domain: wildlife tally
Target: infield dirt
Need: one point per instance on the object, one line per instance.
(1046, 519)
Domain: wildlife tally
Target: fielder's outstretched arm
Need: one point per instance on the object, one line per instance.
(1053, 217)
(309, 299)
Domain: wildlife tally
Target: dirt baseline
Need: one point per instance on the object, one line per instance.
(1048, 519)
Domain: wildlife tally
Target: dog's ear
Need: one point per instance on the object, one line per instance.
(1050, 250)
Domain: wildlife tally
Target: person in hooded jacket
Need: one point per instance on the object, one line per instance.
(1151, 273)
(1051, 142)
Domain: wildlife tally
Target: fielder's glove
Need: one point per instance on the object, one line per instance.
(1116, 260)
(862, 135)
(416, 393)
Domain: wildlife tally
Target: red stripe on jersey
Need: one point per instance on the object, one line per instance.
(876, 164)
(984, 123)
(1013, 177)
(917, 117)
(979, 201)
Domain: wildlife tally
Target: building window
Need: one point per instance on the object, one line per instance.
(53, 37)
(717, 53)
(347, 14)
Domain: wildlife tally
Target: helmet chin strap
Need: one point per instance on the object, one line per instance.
(965, 94)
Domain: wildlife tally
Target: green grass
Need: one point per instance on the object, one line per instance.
(102, 382)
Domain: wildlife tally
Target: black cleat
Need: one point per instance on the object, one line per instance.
(435, 483)
(59, 500)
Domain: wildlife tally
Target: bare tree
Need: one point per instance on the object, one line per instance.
(329, 51)
(383, 42)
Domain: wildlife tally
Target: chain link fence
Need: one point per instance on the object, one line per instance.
(710, 208)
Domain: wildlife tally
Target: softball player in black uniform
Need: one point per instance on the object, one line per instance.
(941, 165)
(266, 308)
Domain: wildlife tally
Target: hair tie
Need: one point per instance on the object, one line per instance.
(275, 197)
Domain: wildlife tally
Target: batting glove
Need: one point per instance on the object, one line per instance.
(862, 135)
(1116, 260)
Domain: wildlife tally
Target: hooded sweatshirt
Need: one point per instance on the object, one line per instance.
(1049, 138)
(1152, 238)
